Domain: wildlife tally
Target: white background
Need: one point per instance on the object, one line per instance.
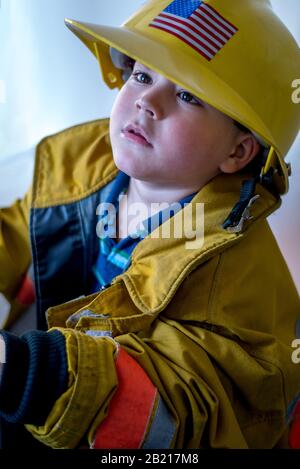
(50, 81)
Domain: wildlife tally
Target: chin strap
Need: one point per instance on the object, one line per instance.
(234, 223)
(241, 211)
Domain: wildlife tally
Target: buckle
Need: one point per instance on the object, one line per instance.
(244, 217)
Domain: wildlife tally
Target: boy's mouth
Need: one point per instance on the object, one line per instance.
(136, 134)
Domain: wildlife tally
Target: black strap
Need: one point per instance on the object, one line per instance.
(247, 192)
(248, 189)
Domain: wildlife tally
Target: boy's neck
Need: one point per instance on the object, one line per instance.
(151, 196)
(149, 193)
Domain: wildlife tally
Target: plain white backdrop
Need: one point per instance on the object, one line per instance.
(50, 81)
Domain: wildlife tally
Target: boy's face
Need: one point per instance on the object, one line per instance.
(184, 142)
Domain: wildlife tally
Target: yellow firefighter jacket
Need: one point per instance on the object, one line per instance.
(206, 323)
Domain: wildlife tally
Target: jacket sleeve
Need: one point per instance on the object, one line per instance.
(180, 387)
(135, 393)
(91, 383)
(175, 384)
(169, 390)
(109, 398)
(15, 257)
(191, 385)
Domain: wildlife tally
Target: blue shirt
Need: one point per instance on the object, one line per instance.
(115, 256)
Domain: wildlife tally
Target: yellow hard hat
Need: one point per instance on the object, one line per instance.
(236, 55)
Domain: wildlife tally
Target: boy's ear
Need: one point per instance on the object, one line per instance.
(245, 149)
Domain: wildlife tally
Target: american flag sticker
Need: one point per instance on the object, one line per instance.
(197, 24)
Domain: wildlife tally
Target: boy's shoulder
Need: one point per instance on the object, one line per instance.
(73, 163)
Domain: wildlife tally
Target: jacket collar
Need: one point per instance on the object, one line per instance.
(159, 265)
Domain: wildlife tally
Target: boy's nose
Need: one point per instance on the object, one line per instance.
(150, 106)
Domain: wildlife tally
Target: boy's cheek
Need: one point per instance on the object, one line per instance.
(119, 118)
(123, 101)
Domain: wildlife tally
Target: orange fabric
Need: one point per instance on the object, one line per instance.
(26, 294)
(130, 408)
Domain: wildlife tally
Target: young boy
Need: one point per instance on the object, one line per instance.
(186, 341)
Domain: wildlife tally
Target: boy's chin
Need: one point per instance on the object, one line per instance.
(122, 167)
(131, 170)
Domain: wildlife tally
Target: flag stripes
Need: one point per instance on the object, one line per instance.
(202, 28)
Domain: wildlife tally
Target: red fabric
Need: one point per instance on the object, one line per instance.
(130, 408)
(26, 294)
(294, 435)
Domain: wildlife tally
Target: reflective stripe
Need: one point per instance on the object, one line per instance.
(94, 333)
(162, 429)
(130, 408)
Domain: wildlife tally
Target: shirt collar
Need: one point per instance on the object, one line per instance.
(120, 186)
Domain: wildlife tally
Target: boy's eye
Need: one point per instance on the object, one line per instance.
(188, 97)
(141, 77)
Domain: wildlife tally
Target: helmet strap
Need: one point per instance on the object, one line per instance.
(241, 211)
